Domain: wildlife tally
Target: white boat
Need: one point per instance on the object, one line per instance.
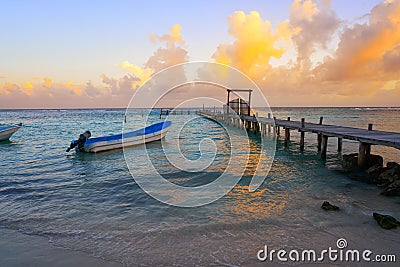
(148, 134)
(7, 130)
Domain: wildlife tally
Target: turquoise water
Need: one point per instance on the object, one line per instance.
(90, 202)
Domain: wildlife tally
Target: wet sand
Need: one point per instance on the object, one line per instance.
(17, 249)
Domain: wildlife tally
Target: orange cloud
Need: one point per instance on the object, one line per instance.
(366, 61)
(73, 88)
(47, 82)
(120, 86)
(142, 74)
(256, 42)
(169, 54)
(170, 39)
(369, 50)
(27, 88)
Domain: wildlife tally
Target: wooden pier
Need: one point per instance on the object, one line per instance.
(262, 125)
(170, 111)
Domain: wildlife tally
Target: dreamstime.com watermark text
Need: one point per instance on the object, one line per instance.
(340, 253)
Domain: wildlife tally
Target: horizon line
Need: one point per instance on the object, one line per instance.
(206, 107)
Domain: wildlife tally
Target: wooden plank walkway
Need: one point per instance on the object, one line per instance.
(366, 137)
(373, 137)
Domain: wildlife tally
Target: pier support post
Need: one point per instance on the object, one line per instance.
(302, 134)
(319, 137)
(269, 125)
(339, 144)
(324, 146)
(287, 131)
(287, 134)
(256, 125)
(277, 129)
(368, 148)
(263, 133)
(362, 149)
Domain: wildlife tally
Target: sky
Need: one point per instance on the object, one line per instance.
(73, 54)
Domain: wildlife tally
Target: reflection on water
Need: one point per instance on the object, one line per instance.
(90, 202)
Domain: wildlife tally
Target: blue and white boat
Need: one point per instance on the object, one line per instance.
(148, 134)
(6, 131)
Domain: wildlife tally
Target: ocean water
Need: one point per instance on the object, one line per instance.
(91, 203)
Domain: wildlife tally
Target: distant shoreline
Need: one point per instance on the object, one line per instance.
(119, 108)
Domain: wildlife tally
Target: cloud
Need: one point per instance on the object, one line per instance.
(73, 88)
(141, 74)
(166, 57)
(170, 53)
(391, 60)
(360, 60)
(174, 37)
(367, 50)
(92, 90)
(38, 89)
(312, 26)
(47, 82)
(8, 88)
(121, 86)
(56, 95)
(256, 42)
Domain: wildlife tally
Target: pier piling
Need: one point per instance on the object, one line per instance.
(324, 146)
(362, 149)
(269, 126)
(287, 134)
(339, 144)
(368, 148)
(319, 136)
(302, 134)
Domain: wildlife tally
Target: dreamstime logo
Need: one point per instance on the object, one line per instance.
(340, 253)
(341, 243)
(190, 85)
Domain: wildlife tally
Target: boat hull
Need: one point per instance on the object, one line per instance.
(148, 134)
(7, 132)
(107, 145)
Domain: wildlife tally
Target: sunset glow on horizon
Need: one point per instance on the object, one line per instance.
(299, 52)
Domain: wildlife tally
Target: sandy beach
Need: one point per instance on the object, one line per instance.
(17, 249)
